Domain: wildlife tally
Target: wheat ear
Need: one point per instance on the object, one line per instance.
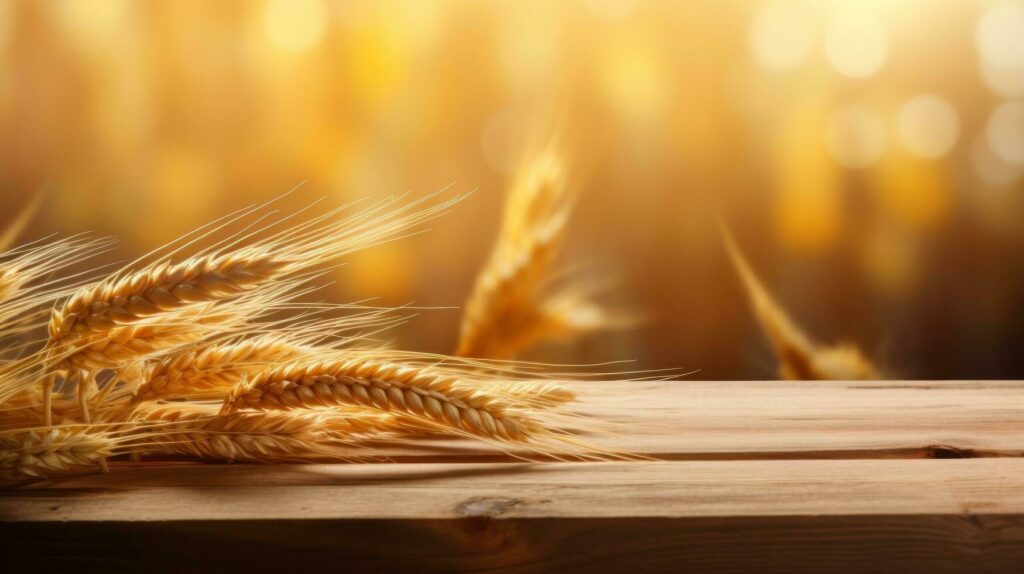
(32, 453)
(225, 273)
(513, 304)
(125, 348)
(385, 387)
(210, 371)
(800, 357)
(228, 271)
(199, 431)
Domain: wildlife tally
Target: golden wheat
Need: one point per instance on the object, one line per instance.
(135, 295)
(211, 371)
(200, 431)
(36, 453)
(381, 386)
(141, 350)
(799, 356)
(514, 303)
(224, 274)
(125, 348)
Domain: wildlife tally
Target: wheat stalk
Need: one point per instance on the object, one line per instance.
(382, 386)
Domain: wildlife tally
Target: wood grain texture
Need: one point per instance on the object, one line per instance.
(580, 490)
(771, 477)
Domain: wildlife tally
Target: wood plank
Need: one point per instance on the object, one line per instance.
(812, 545)
(733, 516)
(744, 420)
(575, 490)
(772, 476)
(778, 418)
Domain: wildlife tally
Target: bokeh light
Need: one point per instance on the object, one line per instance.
(1005, 132)
(862, 151)
(1001, 47)
(928, 126)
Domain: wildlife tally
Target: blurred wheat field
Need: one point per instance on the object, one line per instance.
(868, 155)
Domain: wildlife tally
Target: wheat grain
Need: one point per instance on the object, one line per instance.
(382, 386)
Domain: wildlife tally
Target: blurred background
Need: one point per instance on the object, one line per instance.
(868, 154)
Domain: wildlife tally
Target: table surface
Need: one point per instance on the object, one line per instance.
(919, 475)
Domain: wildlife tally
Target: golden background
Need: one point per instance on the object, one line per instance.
(868, 155)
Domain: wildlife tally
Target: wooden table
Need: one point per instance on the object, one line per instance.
(893, 476)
